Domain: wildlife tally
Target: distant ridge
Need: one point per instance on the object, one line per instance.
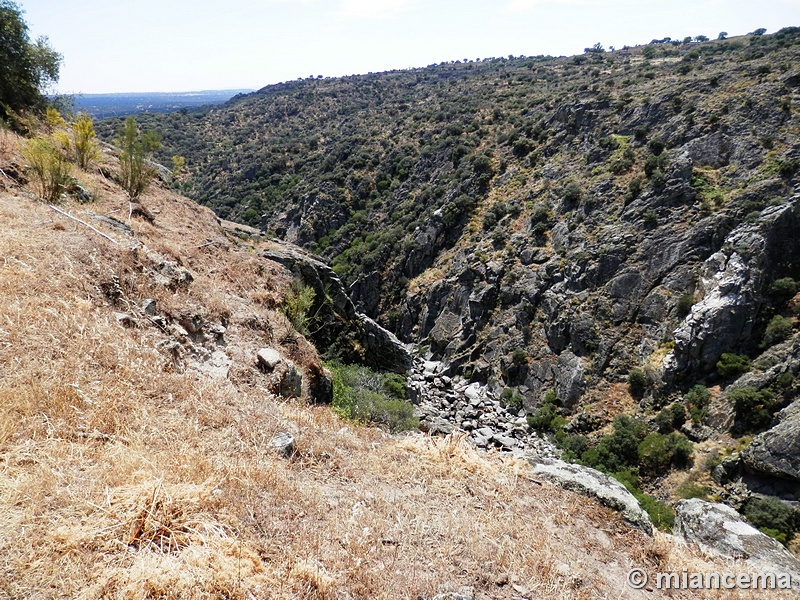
(123, 104)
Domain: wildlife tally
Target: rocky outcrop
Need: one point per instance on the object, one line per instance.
(591, 482)
(720, 530)
(338, 325)
(731, 286)
(776, 452)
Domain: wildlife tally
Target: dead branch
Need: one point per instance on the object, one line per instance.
(66, 214)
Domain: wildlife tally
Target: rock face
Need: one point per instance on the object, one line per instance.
(352, 333)
(732, 287)
(776, 452)
(719, 529)
(591, 482)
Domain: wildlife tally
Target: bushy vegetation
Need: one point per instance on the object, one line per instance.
(367, 396)
(773, 517)
(730, 365)
(753, 408)
(696, 400)
(778, 329)
(47, 159)
(637, 382)
(85, 144)
(297, 305)
(134, 158)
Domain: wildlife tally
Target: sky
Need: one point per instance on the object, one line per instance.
(190, 45)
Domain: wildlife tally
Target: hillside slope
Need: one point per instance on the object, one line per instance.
(582, 236)
(135, 439)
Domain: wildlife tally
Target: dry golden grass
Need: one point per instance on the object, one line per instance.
(124, 477)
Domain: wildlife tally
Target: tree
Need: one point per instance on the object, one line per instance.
(723, 35)
(136, 170)
(26, 68)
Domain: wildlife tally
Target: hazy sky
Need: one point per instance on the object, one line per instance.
(183, 45)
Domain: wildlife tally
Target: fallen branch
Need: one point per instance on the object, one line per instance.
(66, 214)
(206, 244)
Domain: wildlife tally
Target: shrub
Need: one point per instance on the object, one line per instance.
(697, 400)
(637, 382)
(572, 192)
(671, 418)
(136, 150)
(730, 365)
(86, 149)
(297, 304)
(543, 419)
(617, 451)
(773, 517)
(363, 395)
(753, 408)
(51, 170)
(684, 305)
(779, 329)
(782, 290)
(658, 452)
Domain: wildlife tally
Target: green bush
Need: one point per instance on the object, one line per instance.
(619, 450)
(136, 172)
(637, 382)
(773, 517)
(51, 170)
(297, 304)
(782, 290)
(671, 418)
(544, 417)
(697, 399)
(684, 305)
(364, 395)
(753, 408)
(730, 365)
(658, 452)
(778, 330)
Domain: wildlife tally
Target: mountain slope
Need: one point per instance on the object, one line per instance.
(583, 236)
(135, 449)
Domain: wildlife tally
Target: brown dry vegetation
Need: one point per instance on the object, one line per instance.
(126, 473)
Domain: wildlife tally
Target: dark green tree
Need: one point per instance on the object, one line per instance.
(26, 68)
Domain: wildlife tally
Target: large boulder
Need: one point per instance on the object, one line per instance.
(591, 482)
(720, 530)
(776, 452)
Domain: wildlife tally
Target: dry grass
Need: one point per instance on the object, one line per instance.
(122, 476)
